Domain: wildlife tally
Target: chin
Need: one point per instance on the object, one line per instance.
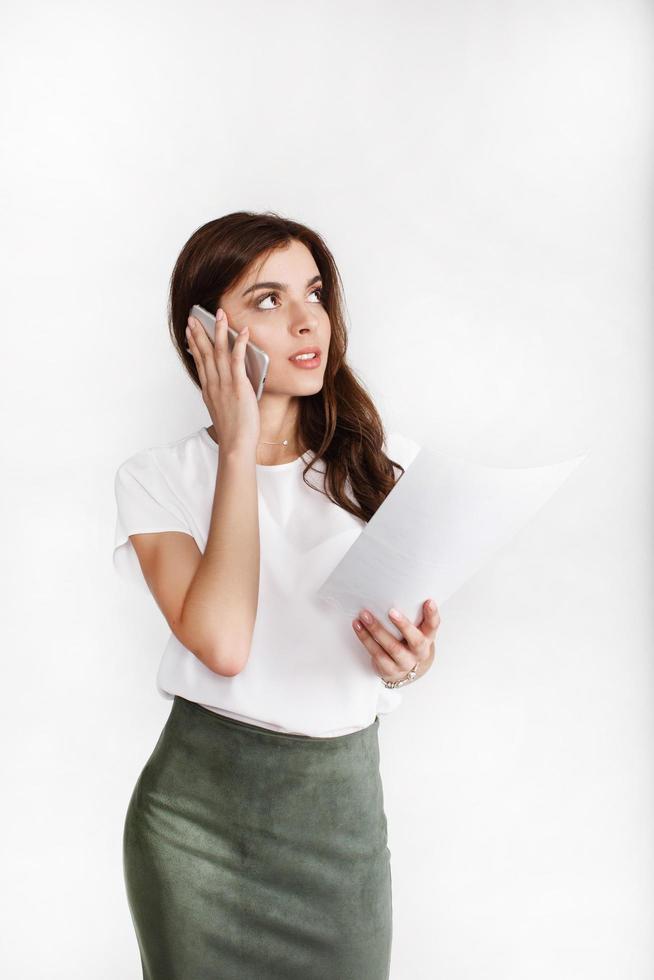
(303, 386)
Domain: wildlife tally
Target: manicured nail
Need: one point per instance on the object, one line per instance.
(366, 617)
(394, 613)
(431, 604)
(357, 624)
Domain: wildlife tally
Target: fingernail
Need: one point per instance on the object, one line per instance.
(431, 604)
(366, 617)
(357, 624)
(394, 613)
(219, 314)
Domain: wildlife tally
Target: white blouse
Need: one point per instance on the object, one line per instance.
(307, 673)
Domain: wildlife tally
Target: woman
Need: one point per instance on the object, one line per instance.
(255, 839)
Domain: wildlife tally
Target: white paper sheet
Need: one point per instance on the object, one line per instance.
(440, 523)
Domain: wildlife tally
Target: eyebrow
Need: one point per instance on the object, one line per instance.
(277, 285)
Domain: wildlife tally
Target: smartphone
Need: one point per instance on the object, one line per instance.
(256, 360)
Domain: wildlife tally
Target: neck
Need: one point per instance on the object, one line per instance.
(270, 455)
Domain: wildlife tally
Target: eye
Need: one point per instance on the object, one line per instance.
(316, 289)
(268, 296)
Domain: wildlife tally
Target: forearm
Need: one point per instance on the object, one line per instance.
(222, 599)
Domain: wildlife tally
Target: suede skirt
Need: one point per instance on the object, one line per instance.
(252, 854)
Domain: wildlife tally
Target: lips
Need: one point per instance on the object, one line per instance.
(307, 364)
(305, 350)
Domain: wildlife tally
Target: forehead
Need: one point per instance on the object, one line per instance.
(284, 264)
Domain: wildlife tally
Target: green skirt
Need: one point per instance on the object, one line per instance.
(252, 854)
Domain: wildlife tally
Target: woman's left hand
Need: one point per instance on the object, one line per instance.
(394, 658)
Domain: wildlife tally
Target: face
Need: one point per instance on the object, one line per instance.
(284, 315)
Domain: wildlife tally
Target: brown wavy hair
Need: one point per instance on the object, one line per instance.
(339, 423)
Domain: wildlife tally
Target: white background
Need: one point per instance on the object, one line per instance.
(482, 173)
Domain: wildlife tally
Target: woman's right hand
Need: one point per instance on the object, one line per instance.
(226, 389)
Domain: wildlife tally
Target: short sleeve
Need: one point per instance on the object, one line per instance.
(145, 503)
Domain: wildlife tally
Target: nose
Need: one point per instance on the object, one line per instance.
(302, 317)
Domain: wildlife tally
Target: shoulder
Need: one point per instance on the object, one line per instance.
(141, 471)
(401, 448)
(138, 462)
(160, 460)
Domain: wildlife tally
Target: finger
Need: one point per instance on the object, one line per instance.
(238, 354)
(221, 354)
(205, 351)
(382, 644)
(413, 638)
(388, 669)
(195, 351)
(431, 619)
(415, 635)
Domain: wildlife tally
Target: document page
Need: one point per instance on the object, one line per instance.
(441, 522)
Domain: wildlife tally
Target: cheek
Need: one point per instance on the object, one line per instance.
(278, 352)
(278, 356)
(237, 319)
